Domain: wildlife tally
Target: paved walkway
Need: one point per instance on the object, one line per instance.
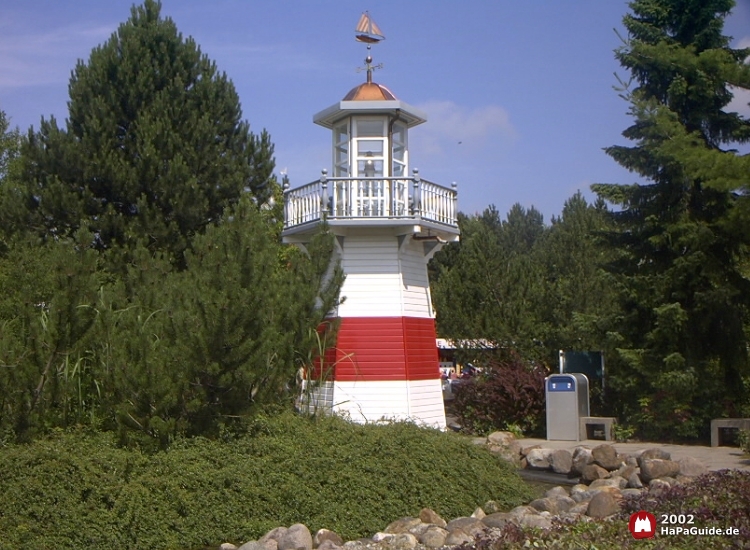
(715, 458)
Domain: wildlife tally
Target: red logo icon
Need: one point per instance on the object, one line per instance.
(642, 525)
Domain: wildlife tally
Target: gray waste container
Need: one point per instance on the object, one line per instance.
(567, 401)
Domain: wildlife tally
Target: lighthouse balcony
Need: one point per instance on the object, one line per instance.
(371, 201)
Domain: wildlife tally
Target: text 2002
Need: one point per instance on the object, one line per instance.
(678, 519)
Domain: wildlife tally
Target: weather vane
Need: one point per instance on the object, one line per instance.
(369, 33)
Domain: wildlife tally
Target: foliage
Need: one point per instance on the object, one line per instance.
(154, 148)
(506, 395)
(160, 352)
(679, 342)
(527, 287)
(716, 499)
(75, 490)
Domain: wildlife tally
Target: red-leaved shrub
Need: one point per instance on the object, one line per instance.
(507, 394)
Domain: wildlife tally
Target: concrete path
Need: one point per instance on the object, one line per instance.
(715, 458)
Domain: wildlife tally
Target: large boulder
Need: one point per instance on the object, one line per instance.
(498, 520)
(603, 504)
(654, 452)
(691, 467)
(539, 459)
(403, 525)
(581, 458)
(505, 445)
(606, 457)
(593, 472)
(323, 535)
(428, 515)
(561, 461)
(401, 541)
(434, 537)
(297, 537)
(470, 526)
(654, 468)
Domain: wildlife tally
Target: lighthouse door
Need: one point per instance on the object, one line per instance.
(371, 195)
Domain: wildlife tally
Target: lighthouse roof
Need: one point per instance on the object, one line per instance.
(369, 91)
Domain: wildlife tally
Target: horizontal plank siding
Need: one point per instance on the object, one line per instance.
(373, 401)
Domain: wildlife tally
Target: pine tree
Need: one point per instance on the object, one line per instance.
(154, 147)
(681, 349)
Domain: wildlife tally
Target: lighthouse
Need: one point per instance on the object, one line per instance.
(388, 222)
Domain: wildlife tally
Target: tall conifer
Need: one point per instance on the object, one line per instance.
(154, 147)
(682, 351)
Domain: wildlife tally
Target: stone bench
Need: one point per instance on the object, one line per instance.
(733, 423)
(591, 422)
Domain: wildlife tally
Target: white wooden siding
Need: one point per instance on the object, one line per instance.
(382, 281)
(419, 401)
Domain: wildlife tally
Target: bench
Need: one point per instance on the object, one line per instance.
(597, 427)
(724, 423)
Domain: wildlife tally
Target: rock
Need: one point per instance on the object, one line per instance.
(401, 541)
(657, 486)
(654, 452)
(625, 471)
(273, 534)
(526, 450)
(434, 537)
(593, 472)
(630, 493)
(616, 482)
(297, 537)
(478, 513)
(634, 481)
(252, 545)
(505, 445)
(691, 467)
(419, 529)
(470, 526)
(519, 511)
(539, 522)
(491, 506)
(458, 537)
(579, 508)
(561, 461)
(329, 545)
(428, 515)
(606, 456)
(543, 505)
(498, 520)
(581, 458)
(538, 459)
(227, 546)
(380, 536)
(558, 491)
(602, 504)
(580, 493)
(324, 535)
(654, 468)
(271, 544)
(401, 525)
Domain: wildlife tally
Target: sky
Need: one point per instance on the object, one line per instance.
(519, 96)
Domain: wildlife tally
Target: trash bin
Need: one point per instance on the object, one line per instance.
(567, 401)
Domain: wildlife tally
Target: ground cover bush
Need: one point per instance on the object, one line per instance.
(716, 499)
(507, 395)
(80, 490)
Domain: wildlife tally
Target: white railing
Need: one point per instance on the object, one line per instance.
(367, 198)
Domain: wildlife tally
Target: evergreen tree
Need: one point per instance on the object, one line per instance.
(681, 349)
(154, 147)
(489, 286)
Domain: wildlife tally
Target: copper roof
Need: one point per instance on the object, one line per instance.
(369, 91)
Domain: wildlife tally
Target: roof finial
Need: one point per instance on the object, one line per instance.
(368, 32)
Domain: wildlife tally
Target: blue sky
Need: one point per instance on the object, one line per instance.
(519, 95)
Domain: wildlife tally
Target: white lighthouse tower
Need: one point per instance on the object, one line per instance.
(388, 225)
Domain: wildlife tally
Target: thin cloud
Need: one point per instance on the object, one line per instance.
(32, 59)
(450, 124)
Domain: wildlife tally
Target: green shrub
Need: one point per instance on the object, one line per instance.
(82, 491)
(507, 395)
